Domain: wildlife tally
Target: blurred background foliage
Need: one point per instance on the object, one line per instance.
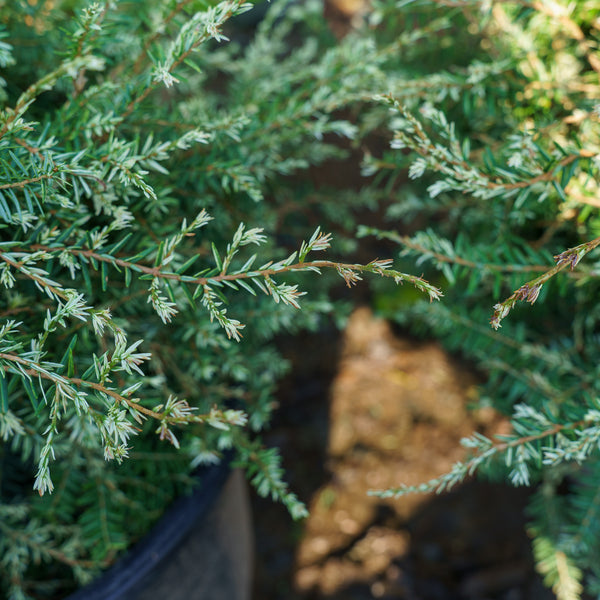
(469, 134)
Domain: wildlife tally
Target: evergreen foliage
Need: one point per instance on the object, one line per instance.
(151, 247)
(143, 162)
(502, 151)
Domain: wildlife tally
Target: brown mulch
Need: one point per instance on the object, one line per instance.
(370, 411)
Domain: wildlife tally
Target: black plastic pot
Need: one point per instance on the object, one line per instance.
(201, 549)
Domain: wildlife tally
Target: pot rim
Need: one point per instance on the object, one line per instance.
(128, 572)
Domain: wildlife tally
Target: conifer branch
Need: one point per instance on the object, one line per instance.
(406, 241)
(182, 416)
(485, 451)
(167, 75)
(176, 10)
(530, 291)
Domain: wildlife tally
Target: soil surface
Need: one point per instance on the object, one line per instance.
(369, 411)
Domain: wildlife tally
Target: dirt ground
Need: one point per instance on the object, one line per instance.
(369, 411)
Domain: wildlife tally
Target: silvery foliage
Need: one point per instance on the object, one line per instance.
(142, 281)
(503, 161)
